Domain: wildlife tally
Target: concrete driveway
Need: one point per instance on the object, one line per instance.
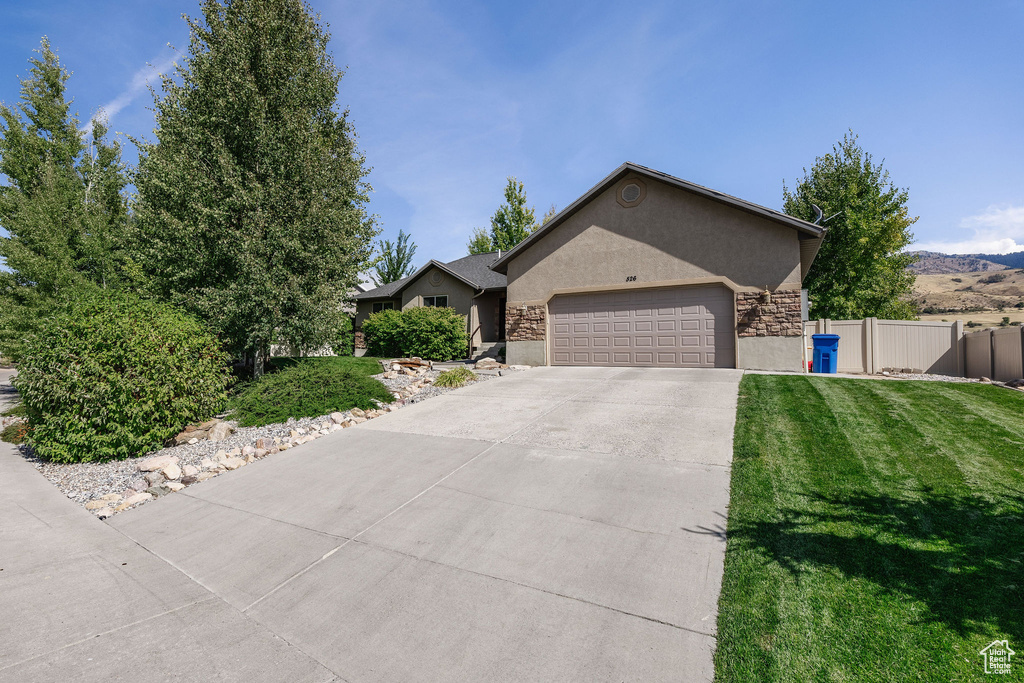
(557, 524)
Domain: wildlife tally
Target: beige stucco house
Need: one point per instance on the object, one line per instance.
(649, 270)
(468, 285)
(643, 270)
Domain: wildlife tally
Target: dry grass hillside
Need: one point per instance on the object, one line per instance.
(934, 263)
(976, 296)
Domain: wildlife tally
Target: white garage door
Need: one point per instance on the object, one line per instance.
(681, 327)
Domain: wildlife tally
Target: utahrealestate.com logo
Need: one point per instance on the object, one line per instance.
(997, 657)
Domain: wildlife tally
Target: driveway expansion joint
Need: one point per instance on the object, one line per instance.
(556, 594)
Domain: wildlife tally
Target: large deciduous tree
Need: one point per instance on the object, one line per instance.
(62, 205)
(395, 260)
(252, 200)
(512, 223)
(861, 269)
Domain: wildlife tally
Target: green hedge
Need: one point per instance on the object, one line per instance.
(114, 377)
(344, 345)
(426, 332)
(309, 388)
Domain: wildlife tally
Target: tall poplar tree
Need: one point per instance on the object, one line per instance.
(395, 260)
(252, 200)
(512, 223)
(62, 205)
(861, 269)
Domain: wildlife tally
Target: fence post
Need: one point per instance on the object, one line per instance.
(876, 348)
(865, 363)
(828, 326)
(1022, 350)
(960, 345)
(991, 354)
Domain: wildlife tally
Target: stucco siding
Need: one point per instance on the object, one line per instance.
(672, 235)
(460, 295)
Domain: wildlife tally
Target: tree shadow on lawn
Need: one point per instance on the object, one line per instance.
(962, 556)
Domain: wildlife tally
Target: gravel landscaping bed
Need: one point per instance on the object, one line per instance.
(106, 486)
(933, 378)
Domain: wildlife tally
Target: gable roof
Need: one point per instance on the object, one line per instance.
(806, 228)
(474, 270)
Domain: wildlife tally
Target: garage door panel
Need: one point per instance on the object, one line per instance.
(679, 327)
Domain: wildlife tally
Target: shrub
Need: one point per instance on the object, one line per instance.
(992, 279)
(426, 332)
(344, 345)
(308, 388)
(17, 410)
(15, 433)
(117, 376)
(455, 377)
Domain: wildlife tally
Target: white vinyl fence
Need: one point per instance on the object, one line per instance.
(872, 345)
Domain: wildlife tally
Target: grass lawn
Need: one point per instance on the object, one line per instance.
(875, 533)
(366, 365)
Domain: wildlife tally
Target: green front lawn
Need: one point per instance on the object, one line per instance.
(875, 532)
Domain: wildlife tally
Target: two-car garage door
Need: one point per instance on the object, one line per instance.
(681, 327)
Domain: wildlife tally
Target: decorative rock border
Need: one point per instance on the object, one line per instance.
(110, 487)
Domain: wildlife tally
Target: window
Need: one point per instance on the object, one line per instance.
(438, 301)
(379, 306)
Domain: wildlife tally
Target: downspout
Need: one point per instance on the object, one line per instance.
(803, 332)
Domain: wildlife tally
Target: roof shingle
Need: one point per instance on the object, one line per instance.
(474, 269)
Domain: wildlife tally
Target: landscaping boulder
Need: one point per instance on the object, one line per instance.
(157, 463)
(220, 431)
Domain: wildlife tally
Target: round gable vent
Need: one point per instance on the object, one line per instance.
(436, 278)
(631, 193)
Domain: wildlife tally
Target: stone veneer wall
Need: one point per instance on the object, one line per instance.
(528, 326)
(780, 318)
(360, 340)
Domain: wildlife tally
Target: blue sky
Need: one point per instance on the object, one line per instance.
(449, 98)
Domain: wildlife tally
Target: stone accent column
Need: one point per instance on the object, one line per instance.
(780, 318)
(360, 342)
(525, 326)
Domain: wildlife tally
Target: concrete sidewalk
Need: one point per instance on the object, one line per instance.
(559, 524)
(80, 601)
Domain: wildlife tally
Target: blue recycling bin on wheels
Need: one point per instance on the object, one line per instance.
(826, 352)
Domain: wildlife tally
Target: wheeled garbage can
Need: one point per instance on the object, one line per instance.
(826, 352)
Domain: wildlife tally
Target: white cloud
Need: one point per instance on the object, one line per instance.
(138, 83)
(996, 230)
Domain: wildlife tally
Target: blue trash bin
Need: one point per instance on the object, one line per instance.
(826, 352)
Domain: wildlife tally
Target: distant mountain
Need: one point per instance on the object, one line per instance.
(1014, 260)
(934, 263)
